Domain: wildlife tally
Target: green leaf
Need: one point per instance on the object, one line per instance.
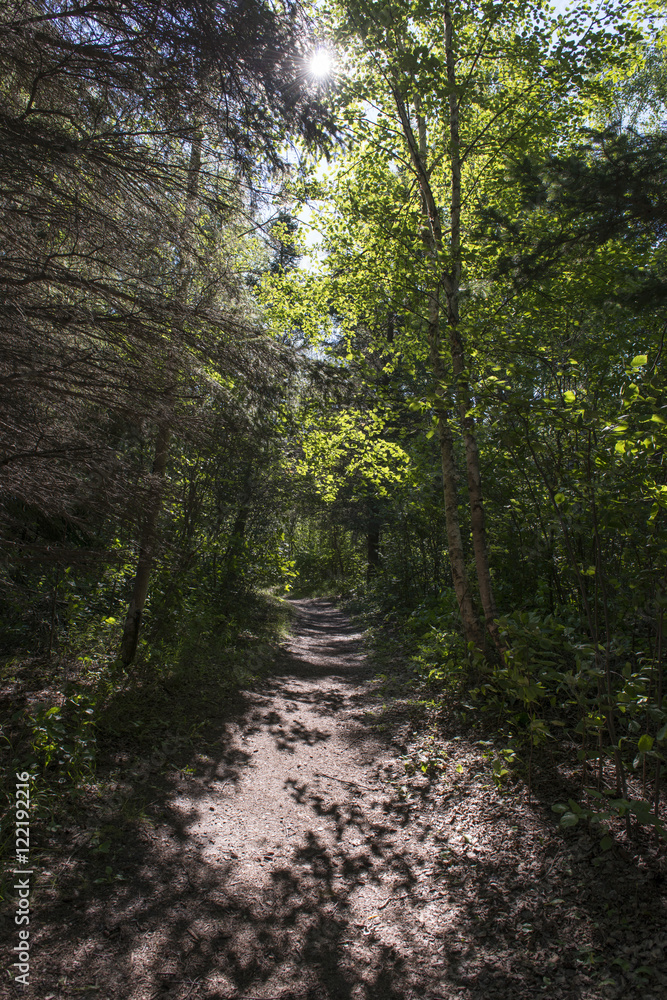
(559, 807)
(645, 743)
(606, 843)
(639, 360)
(569, 819)
(569, 396)
(560, 498)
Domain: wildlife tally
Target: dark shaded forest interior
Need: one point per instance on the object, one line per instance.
(333, 541)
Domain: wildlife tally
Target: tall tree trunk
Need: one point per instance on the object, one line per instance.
(449, 280)
(236, 543)
(433, 241)
(237, 537)
(148, 536)
(457, 562)
(464, 396)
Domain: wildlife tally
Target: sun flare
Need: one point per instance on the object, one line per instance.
(320, 63)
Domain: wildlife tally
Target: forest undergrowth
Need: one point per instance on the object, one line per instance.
(529, 718)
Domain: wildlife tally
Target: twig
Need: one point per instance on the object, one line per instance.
(344, 781)
(390, 898)
(194, 982)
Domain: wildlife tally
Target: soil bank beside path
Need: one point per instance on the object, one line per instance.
(302, 862)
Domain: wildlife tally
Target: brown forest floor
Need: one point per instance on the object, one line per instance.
(299, 860)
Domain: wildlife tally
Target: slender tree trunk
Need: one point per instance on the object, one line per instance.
(432, 235)
(128, 646)
(457, 561)
(449, 281)
(148, 537)
(54, 611)
(236, 543)
(335, 544)
(464, 395)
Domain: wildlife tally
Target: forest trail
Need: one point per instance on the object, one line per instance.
(299, 860)
(319, 869)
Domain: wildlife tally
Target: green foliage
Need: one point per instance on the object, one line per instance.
(63, 741)
(429, 760)
(350, 449)
(604, 809)
(442, 659)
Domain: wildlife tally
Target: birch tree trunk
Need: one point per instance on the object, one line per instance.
(464, 395)
(460, 580)
(446, 269)
(373, 530)
(433, 241)
(432, 237)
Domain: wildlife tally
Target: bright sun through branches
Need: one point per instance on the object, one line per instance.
(321, 63)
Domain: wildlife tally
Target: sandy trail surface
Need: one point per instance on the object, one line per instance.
(313, 856)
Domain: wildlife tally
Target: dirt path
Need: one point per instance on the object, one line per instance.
(298, 860)
(316, 865)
